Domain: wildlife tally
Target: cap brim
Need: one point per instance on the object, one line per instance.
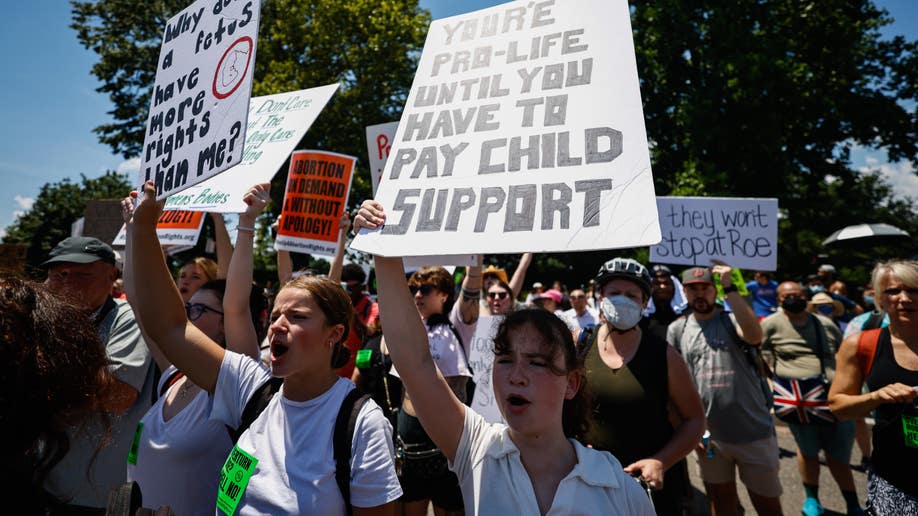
(74, 258)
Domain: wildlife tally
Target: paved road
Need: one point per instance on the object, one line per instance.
(792, 499)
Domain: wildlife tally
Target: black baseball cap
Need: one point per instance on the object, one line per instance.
(80, 250)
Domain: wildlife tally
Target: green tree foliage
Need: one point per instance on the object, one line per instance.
(768, 98)
(56, 208)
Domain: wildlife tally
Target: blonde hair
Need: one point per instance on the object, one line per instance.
(905, 271)
(207, 266)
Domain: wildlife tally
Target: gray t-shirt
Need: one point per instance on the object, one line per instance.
(131, 363)
(736, 406)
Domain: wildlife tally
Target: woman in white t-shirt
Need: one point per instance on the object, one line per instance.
(534, 464)
(283, 463)
(176, 435)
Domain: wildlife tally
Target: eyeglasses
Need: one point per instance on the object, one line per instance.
(497, 295)
(196, 310)
(425, 289)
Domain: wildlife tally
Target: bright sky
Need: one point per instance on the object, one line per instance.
(50, 104)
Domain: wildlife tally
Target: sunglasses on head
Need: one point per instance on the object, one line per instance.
(196, 310)
(497, 295)
(424, 289)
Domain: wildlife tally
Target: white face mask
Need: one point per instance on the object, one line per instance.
(621, 312)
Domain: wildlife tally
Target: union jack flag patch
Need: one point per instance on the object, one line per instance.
(802, 402)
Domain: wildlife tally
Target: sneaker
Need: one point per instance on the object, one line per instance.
(812, 507)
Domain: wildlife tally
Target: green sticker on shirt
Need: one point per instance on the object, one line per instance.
(910, 430)
(135, 445)
(234, 477)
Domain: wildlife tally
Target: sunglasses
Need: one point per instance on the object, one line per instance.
(196, 310)
(424, 289)
(497, 295)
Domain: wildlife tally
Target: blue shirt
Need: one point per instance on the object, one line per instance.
(764, 297)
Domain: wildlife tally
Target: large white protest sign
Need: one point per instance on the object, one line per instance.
(481, 360)
(742, 232)
(379, 143)
(523, 131)
(276, 123)
(200, 101)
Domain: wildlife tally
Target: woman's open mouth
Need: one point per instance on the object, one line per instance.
(278, 350)
(517, 403)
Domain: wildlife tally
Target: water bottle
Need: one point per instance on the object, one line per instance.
(706, 443)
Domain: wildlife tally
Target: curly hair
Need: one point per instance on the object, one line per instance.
(440, 278)
(335, 304)
(556, 338)
(54, 375)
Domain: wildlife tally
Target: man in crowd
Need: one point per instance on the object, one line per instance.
(737, 402)
(551, 300)
(763, 292)
(584, 315)
(83, 269)
(660, 311)
(355, 281)
(804, 346)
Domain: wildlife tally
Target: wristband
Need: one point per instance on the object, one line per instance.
(245, 228)
(731, 288)
(471, 294)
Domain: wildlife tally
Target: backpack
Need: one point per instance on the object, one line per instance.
(867, 348)
(343, 436)
(752, 353)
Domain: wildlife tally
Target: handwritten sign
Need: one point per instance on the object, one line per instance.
(481, 360)
(379, 143)
(523, 131)
(174, 228)
(197, 120)
(276, 124)
(742, 232)
(318, 185)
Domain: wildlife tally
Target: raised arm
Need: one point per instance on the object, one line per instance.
(224, 246)
(158, 303)
(241, 336)
(284, 262)
(749, 328)
(519, 275)
(127, 212)
(471, 293)
(845, 398)
(440, 412)
(334, 272)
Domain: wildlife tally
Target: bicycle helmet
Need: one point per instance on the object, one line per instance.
(625, 268)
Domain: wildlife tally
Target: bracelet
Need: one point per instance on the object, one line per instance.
(471, 294)
(245, 228)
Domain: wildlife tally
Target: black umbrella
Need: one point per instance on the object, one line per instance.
(864, 232)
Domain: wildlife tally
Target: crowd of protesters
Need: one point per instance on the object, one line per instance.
(326, 399)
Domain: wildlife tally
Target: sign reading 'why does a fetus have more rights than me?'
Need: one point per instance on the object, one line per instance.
(200, 100)
(523, 131)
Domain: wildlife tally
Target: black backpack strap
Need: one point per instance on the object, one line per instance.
(874, 321)
(345, 425)
(174, 377)
(255, 406)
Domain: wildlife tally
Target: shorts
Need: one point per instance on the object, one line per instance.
(836, 440)
(757, 461)
(429, 477)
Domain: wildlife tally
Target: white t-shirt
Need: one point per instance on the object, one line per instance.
(494, 481)
(446, 352)
(590, 316)
(569, 320)
(292, 441)
(179, 461)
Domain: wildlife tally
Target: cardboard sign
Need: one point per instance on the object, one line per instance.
(102, 219)
(523, 131)
(318, 185)
(379, 143)
(174, 228)
(481, 360)
(197, 121)
(276, 124)
(741, 232)
(13, 258)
